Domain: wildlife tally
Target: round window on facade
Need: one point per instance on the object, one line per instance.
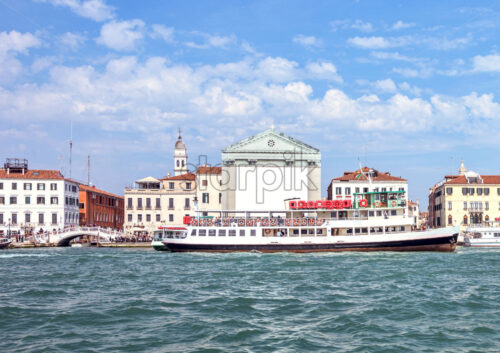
(271, 143)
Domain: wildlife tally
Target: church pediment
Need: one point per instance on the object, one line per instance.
(270, 141)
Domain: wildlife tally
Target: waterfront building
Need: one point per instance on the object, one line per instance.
(155, 202)
(386, 194)
(32, 200)
(261, 172)
(464, 199)
(100, 208)
(414, 211)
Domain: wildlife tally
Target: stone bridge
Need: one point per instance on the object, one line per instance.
(64, 237)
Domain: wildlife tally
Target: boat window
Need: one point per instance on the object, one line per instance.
(193, 233)
(311, 231)
(497, 235)
(211, 232)
(222, 232)
(349, 230)
(379, 213)
(402, 228)
(333, 214)
(232, 232)
(364, 230)
(202, 232)
(296, 232)
(253, 232)
(158, 235)
(303, 231)
(357, 230)
(393, 212)
(242, 232)
(393, 229)
(380, 230)
(371, 213)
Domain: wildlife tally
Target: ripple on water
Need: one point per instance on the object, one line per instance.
(103, 300)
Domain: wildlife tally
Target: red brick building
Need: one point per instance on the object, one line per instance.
(100, 208)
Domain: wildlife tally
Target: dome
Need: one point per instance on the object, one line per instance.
(180, 145)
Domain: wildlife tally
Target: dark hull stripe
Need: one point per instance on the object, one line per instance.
(446, 243)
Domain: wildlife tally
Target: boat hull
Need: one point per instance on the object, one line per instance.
(5, 245)
(446, 243)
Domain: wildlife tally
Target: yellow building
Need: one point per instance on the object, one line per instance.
(464, 199)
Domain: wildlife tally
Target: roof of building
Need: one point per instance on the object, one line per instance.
(148, 179)
(185, 176)
(209, 170)
(32, 174)
(84, 187)
(487, 179)
(361, 174)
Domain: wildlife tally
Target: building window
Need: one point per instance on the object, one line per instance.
(486, 191)
(338, 191)
(40, 218)
(450, 220)
(479, 191)
(220, 197)
(347, 191)
(14, 218)
(471, 191)
(356, 190)
(171, 217)
(1, 187)
(171, 186)
(186, 203)
(129, 202)
(465, 205)
(171, 203)
(139, 218)
(148, 218)
(129, 217)
(27, 186)
(157, 218)
(139, 203)
(2, 200)
(40, 200)
(466, 190)
(204, 197)
(40, 186)
(148, 203)
(13, 200)
(27, 218)
(465, 219)
(204, 182)
(53, 186)
(27, 200)
(158, 203)
(54, 200)
(486, 205)
(14, 186)
(449, 205)
(449, 191)
(54, 218)
(188, 186)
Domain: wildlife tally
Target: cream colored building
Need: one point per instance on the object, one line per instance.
(153, 202)
(263, 171)
(464, 199)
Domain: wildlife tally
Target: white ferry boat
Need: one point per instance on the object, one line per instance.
(482, 237)
(307, 226)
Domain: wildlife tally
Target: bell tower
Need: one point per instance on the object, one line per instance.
(180, 156)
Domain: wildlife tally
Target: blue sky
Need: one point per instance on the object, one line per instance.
(407, 87)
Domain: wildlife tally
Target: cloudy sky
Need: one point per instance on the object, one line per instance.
(406, 87)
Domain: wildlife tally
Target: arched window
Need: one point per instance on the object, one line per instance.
(183, 163)
(450, 220)
(178, 163)
(465, 219)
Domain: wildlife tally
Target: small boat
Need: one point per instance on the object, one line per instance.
(4, 243)
(482, 237)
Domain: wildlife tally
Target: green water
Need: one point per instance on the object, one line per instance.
(137, 300)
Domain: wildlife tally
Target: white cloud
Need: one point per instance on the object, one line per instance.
(323, 70)
(393, 56)
(386, 85)
(277, 69)
(165, 33)
(72, 41)
(487, 63)
(121, 36)
(371, 42)
(401, 25)
(212, 41)
(11, 44)
(351, 24)
(307, 41)
(96, 10)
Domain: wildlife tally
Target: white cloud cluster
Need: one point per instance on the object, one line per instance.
(12, 44)
(401, 25)
(351, 24)
(121, 36)
(307, 41)
(96, 10)
(486, 63)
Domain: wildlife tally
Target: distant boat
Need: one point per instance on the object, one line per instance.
(4, 243)
(482, 237)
